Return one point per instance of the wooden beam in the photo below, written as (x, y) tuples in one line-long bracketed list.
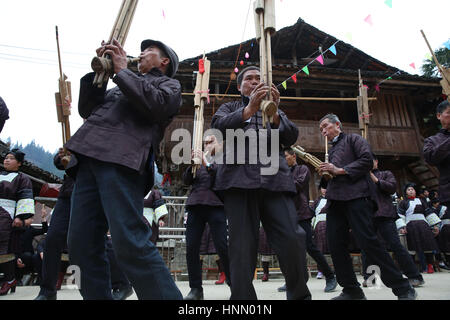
[(285, 98)]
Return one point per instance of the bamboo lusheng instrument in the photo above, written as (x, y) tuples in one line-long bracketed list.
[(63, 103), (265, 28), (315, 162), (201, 93), (445, 72), (363, 108), (103, 65)]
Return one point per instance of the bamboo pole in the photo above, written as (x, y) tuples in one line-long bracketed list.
[(445, 73), (103, 66), (201, 93), (309, 158), (265, 28), (63, 103)]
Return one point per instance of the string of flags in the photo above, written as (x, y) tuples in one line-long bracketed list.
[(305, 69)]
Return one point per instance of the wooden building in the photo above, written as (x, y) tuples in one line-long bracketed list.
[(394, 132)]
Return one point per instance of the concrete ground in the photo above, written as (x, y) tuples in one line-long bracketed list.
[(437, 287)]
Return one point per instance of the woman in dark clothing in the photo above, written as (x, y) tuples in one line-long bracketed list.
[(419, 223), (16, 211)]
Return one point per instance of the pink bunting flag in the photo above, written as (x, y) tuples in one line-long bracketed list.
[(413, 65), (164, 14), (377, 88), (320, 59), (368, 19)]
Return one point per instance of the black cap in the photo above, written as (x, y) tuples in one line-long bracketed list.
[(173, 66)]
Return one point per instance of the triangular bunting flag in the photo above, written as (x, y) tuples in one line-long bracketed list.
[(388, 3), (389, 78), (368, 19), (320, 59), (428, 56), (306, 70), (413, 65), (349, 36), (294, 77), (284, 85), (377, 88), (333, 49)]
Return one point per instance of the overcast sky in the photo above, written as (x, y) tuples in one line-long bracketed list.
[(28, 62)]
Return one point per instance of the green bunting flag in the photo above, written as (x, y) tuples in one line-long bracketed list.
[(306, 70)]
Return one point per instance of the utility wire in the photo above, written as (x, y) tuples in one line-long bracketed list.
[(43, 50)]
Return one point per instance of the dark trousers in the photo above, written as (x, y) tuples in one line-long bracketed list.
[(314, 252), (55, 244), (387, 229), (118, 279), (111, 196), (357, 215), (245, 209), (198, 216), (33, 264)]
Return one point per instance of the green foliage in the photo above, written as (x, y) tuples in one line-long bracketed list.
[(429, 67)]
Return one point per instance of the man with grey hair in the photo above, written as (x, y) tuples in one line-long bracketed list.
[(250, 197), (352, 198)]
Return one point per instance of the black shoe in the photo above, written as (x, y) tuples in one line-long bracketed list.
[(282, 289), (194, 294), (122, 293), (331, 284), (410, 295), (347, 296), (43, 297), (416, 282)]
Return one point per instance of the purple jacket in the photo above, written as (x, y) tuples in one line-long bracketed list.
[(125, 123), (351, 152), (248, 176), (385, 187), (436, 150), (301, 176), (201, 193)]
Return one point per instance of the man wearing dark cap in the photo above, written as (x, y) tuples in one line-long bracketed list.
[(113, 160)]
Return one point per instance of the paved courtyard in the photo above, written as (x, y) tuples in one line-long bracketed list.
[(437, 287)]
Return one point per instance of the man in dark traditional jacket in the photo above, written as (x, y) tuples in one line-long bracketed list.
[(56, 239), (436, 150), (4, 113), (352, 197), (204, 206), (252, 194), (384, 223), (302, 176), (112, 155)]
